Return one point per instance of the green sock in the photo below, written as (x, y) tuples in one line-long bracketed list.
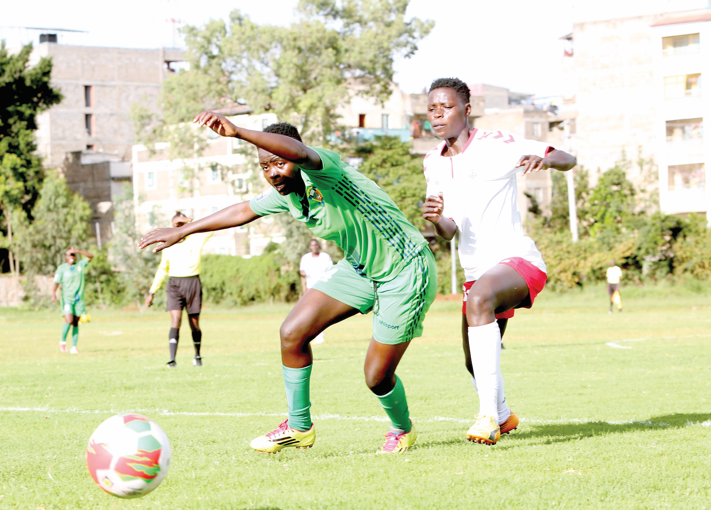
[(296, 382), (395, 404), (65, 330), (75, 335)]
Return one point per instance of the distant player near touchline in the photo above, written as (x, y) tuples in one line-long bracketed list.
[(471, 188), (312, 267), (614, 274), (181, 264), (71, 276), (388, 269)]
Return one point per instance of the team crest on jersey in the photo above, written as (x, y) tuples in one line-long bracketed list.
[(314, 194)]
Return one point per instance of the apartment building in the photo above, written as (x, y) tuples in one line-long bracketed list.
[(223, 175), (682, 58)]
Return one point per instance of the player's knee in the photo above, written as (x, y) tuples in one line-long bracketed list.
[(292, 336), (480, 303)]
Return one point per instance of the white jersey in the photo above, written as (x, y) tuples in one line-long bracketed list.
[(480, 196), (315, 267)]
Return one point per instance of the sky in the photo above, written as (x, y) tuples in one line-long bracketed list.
[(513, 44)]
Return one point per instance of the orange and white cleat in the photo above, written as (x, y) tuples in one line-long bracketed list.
[(509, 425), (282, 437), (485, 430)]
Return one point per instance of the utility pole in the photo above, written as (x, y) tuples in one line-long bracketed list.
[(572, 206), (453, 249)]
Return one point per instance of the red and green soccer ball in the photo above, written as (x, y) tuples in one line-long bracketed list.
[(128, 455)]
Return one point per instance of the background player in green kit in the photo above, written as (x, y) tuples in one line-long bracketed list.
[(388, 269), (70, 276)]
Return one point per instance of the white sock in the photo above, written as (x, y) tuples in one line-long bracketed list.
[(504, 411), (485, 349)]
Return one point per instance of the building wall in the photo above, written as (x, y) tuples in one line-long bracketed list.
[(120, 77), (161, 188), (684, 161), (613, 67)]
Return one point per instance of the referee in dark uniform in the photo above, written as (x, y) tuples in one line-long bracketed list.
[(181, 263)]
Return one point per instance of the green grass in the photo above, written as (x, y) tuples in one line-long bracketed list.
[(603, 427)]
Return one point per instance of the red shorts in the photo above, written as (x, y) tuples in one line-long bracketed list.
[(534, 277)]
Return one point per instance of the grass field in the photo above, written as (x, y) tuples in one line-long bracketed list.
[(620, 425)]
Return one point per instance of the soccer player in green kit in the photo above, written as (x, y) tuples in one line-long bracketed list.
[(388, 269), (70, 276)]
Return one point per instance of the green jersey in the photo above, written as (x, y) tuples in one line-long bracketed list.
[(344, 206), (72, 280)]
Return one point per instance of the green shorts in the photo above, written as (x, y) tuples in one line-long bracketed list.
[(398, 305), (74, 307)]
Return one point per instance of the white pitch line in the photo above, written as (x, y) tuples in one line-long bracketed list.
[(329, 416), (616, 345)]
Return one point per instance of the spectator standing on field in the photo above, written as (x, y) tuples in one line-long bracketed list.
[(614, 273), (70, 276), (181, 263), (313, 266)]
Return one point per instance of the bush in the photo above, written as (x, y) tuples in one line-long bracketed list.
[(236, 281)]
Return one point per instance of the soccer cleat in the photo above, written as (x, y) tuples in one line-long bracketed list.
[(197, 361), (283, 436), (74, 350), (171, 364), (399, 443), (485, 430), (509, 425), (62, 346)]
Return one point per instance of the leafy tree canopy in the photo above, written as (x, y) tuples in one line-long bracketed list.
[(300, 71)]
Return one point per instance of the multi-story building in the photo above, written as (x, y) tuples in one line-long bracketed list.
[(635, 87), (223, 175), (99, 85), (681, 59)]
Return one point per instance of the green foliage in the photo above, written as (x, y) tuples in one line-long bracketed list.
[(298, 72), (236, 281), (693, 255), (60, 221), (611, 203), (136, 268), (103, 286), (24, 92), (388, 161)]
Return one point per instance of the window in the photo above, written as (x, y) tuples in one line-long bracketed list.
[(213, 173), (685, 129), (150, 180), (361, 120), (687, 177), (536, 129), (685, 85), (90, 147), (89, 96), (677, 44), (239, 185), (385, 121), (89, 122)]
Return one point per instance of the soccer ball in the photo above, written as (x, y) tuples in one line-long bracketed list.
[(128, 455)]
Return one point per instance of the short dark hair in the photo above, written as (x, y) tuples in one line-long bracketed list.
[(283, 128), (461, 88), (178, 214)]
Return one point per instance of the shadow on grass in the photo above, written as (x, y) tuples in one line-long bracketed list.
[(561, 432)]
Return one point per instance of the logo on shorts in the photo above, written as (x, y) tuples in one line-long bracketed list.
[(389, 326), (314, 194)]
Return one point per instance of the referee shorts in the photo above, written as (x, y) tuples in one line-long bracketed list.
[(184, 292)]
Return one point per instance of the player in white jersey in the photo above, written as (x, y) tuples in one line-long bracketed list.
[(471, 188), (312, 267)]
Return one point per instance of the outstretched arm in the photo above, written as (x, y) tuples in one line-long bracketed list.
[(432, 211), (85, 253), (555, 159), (232, 216), (283, 146)]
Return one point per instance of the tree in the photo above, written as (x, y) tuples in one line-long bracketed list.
[(299, 72), (24, 92), (60, 221), (388, 161), (136, 267), (611, 203)]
